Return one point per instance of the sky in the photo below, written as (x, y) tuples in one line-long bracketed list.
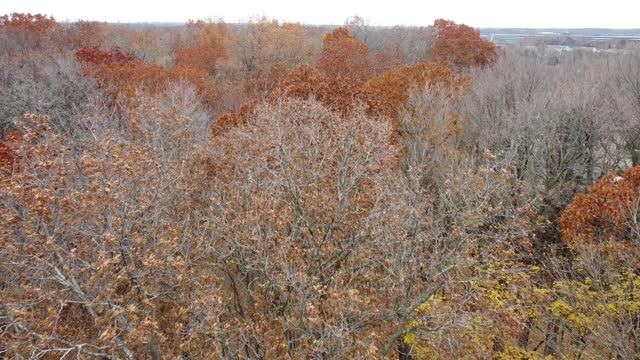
[(476, 13)]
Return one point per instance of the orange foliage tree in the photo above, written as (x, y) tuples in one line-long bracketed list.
[(204, 46), (343, 56), (37, 24), (461, 45), (387, 93), (86, 34), (123, 75), (605, 216), (200, 57), (303, 82), (230, 120), (26, 33), (340, 81), (384, 95)]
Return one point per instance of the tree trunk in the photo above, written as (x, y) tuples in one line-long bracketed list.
[(523, 340), (551, 338), (404, 350)]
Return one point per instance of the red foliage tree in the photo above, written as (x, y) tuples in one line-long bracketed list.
[(9, 139), (461, 45), (95, 56), (6, 157)]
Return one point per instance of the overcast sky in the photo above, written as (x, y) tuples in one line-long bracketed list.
[(477, 13)]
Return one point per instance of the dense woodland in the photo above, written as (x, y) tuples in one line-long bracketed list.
[(272, 190)]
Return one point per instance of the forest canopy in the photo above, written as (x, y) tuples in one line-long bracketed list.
[(273, 190)]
